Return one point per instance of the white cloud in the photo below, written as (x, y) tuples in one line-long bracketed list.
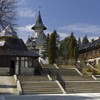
[(93, 37), (85, 28), (26, 12), (25, 31), (20, 2), (61, 34), (26, 28)]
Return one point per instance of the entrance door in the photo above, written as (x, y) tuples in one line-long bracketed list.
[(12, 68)]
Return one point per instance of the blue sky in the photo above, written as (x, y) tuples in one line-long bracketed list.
[(80, 16)]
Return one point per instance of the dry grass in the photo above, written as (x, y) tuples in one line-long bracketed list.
[(90, 71), (66, 66), (87, 71)]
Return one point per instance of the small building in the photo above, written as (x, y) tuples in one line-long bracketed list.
[(39, 37), (15, 58), (91, 52)]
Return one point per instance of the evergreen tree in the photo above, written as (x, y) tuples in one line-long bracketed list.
[(57, 38), (72, 49), (85, 40), (45, 47), (52, 47), (64, 51), (79, 42)]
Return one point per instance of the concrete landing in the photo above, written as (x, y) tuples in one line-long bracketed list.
[(7, 85), (86, 96)]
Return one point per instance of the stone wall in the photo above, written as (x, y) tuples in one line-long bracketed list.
[(4, 71), (27, 71)]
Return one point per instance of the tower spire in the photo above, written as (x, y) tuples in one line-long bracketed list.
[(39, 23)]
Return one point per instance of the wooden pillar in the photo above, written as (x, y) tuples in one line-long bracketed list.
[(19, 69)]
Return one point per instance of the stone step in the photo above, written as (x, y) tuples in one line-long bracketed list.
[(8, 85), (84, 87), (39, 87), (41, 92), (33, 78), (77, 78)]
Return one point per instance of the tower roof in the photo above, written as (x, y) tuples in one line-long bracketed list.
[(39, 23), (8, 31)]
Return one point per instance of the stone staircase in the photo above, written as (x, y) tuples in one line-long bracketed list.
[(73, 75), (83, 87), (78, 78), (75, 83), (38, 85), (8, 85), (32, 78), (50, 69), (68, 72)]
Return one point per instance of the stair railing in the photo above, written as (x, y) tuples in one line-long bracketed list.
[(61, 81)]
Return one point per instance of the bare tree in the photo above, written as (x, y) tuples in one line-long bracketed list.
[(7, 12)]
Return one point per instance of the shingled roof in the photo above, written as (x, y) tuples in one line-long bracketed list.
[(8, 31), (90, 46), (39, 23), (13, 46)]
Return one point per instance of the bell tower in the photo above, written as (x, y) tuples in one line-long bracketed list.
[(39, 27), (39, 37)]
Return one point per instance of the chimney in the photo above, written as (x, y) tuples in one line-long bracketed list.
[(92, 40)]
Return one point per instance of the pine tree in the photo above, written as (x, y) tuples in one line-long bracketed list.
[(72, 44), (72, 48), (45, 47), (64, 51), (85, 40), (52, 47), (79, 42)]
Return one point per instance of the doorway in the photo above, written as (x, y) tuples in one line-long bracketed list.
[(12, 68)]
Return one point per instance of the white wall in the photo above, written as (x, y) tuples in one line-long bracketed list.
[(96, 59)]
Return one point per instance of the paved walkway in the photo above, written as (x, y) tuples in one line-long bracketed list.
[(86, 96), (7, 85)]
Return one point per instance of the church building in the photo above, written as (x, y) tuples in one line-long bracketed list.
[(15, 58), (39, 37)]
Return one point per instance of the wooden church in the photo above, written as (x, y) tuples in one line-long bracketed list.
[(15, 58)]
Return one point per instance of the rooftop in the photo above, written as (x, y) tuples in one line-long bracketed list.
[(8, 31), (13, 46), (91, 45), (39, 23)]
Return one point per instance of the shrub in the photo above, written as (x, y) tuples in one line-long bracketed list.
[(90, 70), (96, 72)]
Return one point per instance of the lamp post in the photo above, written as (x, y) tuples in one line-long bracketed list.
[(34, 44)]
